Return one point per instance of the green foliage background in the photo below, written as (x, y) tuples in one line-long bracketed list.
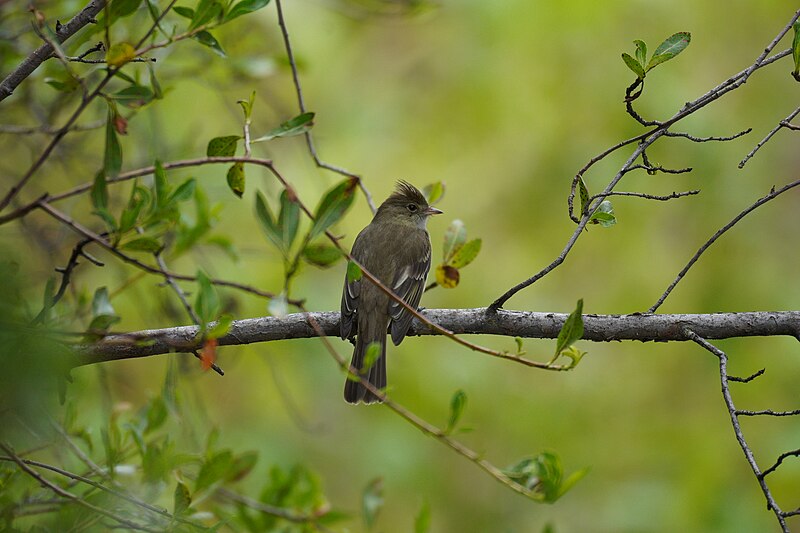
[(504, 101)]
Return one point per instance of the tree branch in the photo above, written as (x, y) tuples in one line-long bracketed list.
[(598, 328), (45, 51)]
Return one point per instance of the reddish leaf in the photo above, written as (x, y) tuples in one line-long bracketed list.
[(208, 354)]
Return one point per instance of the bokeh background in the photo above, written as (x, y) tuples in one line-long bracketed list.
[(503, 101)]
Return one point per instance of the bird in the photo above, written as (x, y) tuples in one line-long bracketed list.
[(395, 247)]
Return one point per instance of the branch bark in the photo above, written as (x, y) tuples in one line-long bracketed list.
[(597, 328), (45, 51)]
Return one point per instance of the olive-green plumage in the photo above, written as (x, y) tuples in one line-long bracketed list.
[(396, 248)]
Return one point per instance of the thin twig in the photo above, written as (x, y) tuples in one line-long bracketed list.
[(781, 457), (726, 394), (301, 104), (785, 123), (661, 198), (23, 465), (761, 201), (707, 139), (421, 424), (48, 130), (119, 494), (80, 229), (767, 412)]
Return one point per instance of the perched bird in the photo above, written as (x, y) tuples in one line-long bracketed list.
[(396, 248)]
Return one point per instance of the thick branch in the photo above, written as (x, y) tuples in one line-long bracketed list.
[(598, 328)]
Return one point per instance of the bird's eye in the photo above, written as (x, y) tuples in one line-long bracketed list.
[(412, 207)]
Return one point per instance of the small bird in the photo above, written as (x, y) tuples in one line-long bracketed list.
[(396, 248)]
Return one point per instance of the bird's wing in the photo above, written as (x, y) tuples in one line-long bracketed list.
[(409, 284), (350, 294)]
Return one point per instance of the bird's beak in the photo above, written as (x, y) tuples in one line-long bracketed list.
[(432, 211)]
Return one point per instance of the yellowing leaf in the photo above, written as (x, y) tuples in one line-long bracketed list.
[(119, 54), (447, 276)]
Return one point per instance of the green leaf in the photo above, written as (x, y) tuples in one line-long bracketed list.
[(243, 8), (267, 221), (574, 354), (321, 255), (288, 219), (518, 342), (205, 38), (295, 126), (372, 501), (454, 237), (112, 158), (143, 244), (796, 48), (65, 86), (184, 192), (119, 54), (372, 354), (160, 184), (641, 52), (215, 469), (155, 86), (187, 12), (422, 522), (156, 414), (604, 215), (353, 272), (247, 105), (633, 65), (466, 254), (243, 464), (103, 314), (236, 178), (206, 11), (134, 96), (99, 192), (221, 327), (181, 500), (333, 206), (672, 46), (123, 8), (572, 330), (222, 146), (457, 404), (583, 192), (207, 302), (434, 192)]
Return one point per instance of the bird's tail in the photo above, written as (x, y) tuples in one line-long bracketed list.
[(354, 391)]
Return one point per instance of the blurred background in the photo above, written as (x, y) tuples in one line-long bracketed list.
[(503, 101)]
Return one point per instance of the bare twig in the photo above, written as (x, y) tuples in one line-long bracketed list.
[(785, 123), (48, 130), (662, 198), (707, 139), (301, 104), (726, 394), (66, 274), (761, 201)]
